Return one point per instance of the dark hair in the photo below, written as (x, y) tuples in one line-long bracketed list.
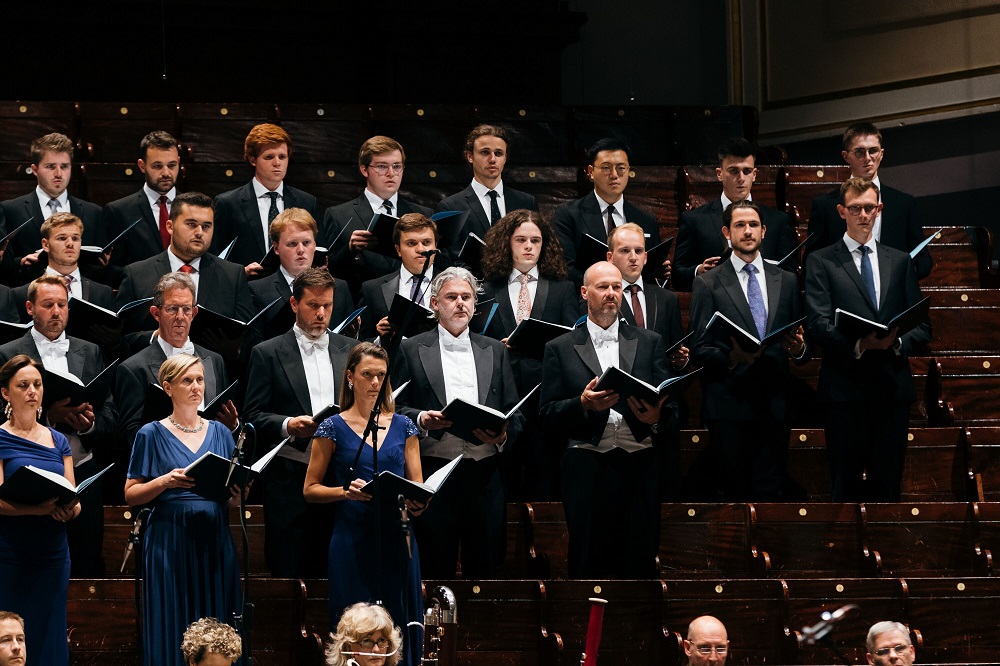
[(312, 278), (413, 222), (860, 129), (196, 199), (607, 143), (358, 352), (746, 204), (156, 139), (51, 143), (856, 186), (499, 131), (498, 262), (736, 147), (14, 365)]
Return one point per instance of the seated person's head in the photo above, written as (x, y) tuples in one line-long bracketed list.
[(208, 642), (365, 628)]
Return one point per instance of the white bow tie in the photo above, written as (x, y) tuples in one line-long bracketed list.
[(310, 346), (603, 338), (57, 348), (188, 348), (457, 345)]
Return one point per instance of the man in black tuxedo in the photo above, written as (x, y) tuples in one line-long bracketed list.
[(602, 210), (609, 469), (700, 239), (87, 429), (52, 166), (897, 226), (413, 234), (293, 240), (245, 214), (62, 236), (660, 311), (865, 383), (486, 198), (291, 378), (173, 308), (160, 164), (441, 365), (191, 230), (744, 389), (381, 161)]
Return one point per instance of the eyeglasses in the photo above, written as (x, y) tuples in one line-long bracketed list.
[(173, 310), (383, 169), (898, 649), (861, 152), (707, 650), (367, 644), (620, 169), (855, 209)]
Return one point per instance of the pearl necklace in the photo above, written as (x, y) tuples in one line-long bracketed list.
[(201, 424)]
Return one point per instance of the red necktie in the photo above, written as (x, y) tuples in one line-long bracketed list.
[(640, 320), (187, 269), (164, 234)]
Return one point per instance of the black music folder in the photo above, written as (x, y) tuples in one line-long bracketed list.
[(625, 384), (31, 486), (233, 329), (85, 315), (723, 328), (471, 255), (530, 336), (421, 320), (392, 485), (58, 387), (855, 326), (468, 416), (450, 225), (655, 256), (213, 475), (382, 226)]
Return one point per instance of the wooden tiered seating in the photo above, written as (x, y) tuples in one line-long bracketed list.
[(707, 540), (102, 619), (956, 618), (801, 184)]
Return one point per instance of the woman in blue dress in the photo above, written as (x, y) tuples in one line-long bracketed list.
[(189, 566), (34, 558), (355, 570)]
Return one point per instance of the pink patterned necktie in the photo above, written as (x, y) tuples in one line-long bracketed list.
[(523, 298)]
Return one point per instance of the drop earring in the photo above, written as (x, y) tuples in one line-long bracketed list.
[(350, 385)]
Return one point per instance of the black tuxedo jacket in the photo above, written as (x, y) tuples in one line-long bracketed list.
[(419, 362), (137, 372), (573, 219), (277, 387), (265, 290), (747, 392), (478, 223), (15, 212), (833, 281), (570, 363), (334, 236), (900, 226), (222, 288), (141, 243), (85, 362), (663, 312), (237, 215), (8, 304), (93, 292), (556, 301), (699, 236), (377, 296)]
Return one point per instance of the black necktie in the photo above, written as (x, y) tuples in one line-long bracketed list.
[(611, 218), (272, 212), (494, 206), (387, 204)]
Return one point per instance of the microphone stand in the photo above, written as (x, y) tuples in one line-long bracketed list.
[(134, 539), (244, 620), (373, 427)]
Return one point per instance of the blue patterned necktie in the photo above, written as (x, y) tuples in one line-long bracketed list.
[(756, 300), (867, 276)]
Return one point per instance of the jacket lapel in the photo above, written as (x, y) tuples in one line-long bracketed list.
[(506, 309), (430, 359), (482, 353), (585, 350), (847, 263), (731, 283), (772, 278), (291, 363), (627, 345), (884, 271), (479, 224), (389, 290)]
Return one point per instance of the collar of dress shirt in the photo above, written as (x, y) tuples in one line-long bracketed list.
[(626, 284), (259, 190), (405, 275), (44, 199), (515, 275), (738, 263), (853, 245), (41, 339), (75, 273), (176, 262), (481, 189), (154, 196), (463, 338), (301, 335), (285, 274), (375, 201), (603, 205), (187, 347), (594, 330), (726, 200)]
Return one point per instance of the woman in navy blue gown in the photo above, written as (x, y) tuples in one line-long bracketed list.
[(34, 557), (189, 567), (354, 569)]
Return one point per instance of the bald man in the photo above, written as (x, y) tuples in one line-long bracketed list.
[(889, 644), (706, 642)]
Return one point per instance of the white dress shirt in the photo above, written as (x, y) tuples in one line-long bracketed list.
[(176, 263), (514, 286), (75, 287), (406, 285), (53, 354), (743, 278), (154, 200), (378, 204), (264, 205), (853, 247), (315, 355), (627, 296), (44, 199), (618, 213), (484, 198)]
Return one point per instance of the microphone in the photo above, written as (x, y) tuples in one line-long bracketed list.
[(404, 523), (133, 537), (237, 451), (428, 253), (820, 630)]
